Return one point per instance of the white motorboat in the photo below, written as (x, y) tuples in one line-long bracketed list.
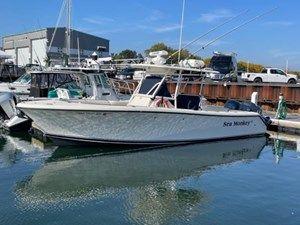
[(65, 83), (20, 87), (152, 116)]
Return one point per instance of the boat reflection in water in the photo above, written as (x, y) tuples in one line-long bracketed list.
[(12, 146), (150, 177)]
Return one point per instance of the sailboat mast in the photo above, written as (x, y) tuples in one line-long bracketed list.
[(68, 36)]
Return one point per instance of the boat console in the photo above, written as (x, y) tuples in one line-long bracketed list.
[(188, 102)]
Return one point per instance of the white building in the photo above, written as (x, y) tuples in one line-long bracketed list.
[(33, 47)]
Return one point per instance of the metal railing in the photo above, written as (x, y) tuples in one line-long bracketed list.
[(123, 86)]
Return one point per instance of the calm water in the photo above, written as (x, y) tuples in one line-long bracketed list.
[(249, 181)]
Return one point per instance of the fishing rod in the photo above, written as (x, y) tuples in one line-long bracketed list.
[(232, 30), (208, 32)]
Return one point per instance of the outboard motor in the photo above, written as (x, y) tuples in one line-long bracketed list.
[(243, 106), (7, 106), (10, 118), (249, 107)]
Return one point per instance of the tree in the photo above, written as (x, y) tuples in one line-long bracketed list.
[(206, 61), (126, 54), (242, 66), (253, 68), (162, 46), (295, 72)]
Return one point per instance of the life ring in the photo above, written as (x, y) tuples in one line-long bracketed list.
[(162, 102)]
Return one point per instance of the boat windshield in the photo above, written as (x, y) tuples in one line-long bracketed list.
[(24, 79), (51, 79), (150, 84), (101, 80)]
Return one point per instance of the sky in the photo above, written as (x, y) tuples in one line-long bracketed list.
[(137, 24)]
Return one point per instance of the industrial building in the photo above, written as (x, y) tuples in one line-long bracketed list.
[(33, 47)]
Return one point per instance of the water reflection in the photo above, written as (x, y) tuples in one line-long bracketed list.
[(152, 176), (278, 149), (280, 142), (11, 147), (159, 204)]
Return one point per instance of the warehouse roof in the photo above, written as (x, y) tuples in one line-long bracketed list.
[(42, 29)]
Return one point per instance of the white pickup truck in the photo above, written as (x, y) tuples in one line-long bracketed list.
[(273, 75)]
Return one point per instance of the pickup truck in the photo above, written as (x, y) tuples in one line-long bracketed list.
[(273, 75)]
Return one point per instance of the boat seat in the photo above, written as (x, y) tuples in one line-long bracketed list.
[(63, 93), (188, 102)]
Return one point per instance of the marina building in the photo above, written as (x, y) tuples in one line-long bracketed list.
[(37, 46)]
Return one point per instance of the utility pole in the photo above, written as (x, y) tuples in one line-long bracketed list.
[(248, 66), (78, 51)]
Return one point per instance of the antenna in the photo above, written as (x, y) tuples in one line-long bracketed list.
[(181, 29), (211, 30), (232, 30)]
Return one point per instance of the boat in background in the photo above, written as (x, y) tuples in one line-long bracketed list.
[(20, 88), (63, 83)]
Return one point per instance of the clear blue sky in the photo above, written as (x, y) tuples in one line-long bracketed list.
[(137, 24)]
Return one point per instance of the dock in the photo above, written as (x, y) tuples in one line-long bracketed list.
[(290, 125)]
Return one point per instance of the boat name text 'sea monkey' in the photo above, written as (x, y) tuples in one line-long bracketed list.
[(237, 123)]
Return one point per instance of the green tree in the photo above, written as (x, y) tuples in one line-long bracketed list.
[(295, 72), (126, 54), (206, 61), (253, 68)]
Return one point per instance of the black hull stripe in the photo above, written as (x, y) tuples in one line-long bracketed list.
[(57, 138), (139, 111)]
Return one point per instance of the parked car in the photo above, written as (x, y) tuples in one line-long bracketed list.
[(273, 75)]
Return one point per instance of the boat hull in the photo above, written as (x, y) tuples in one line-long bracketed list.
[(141, 127)]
